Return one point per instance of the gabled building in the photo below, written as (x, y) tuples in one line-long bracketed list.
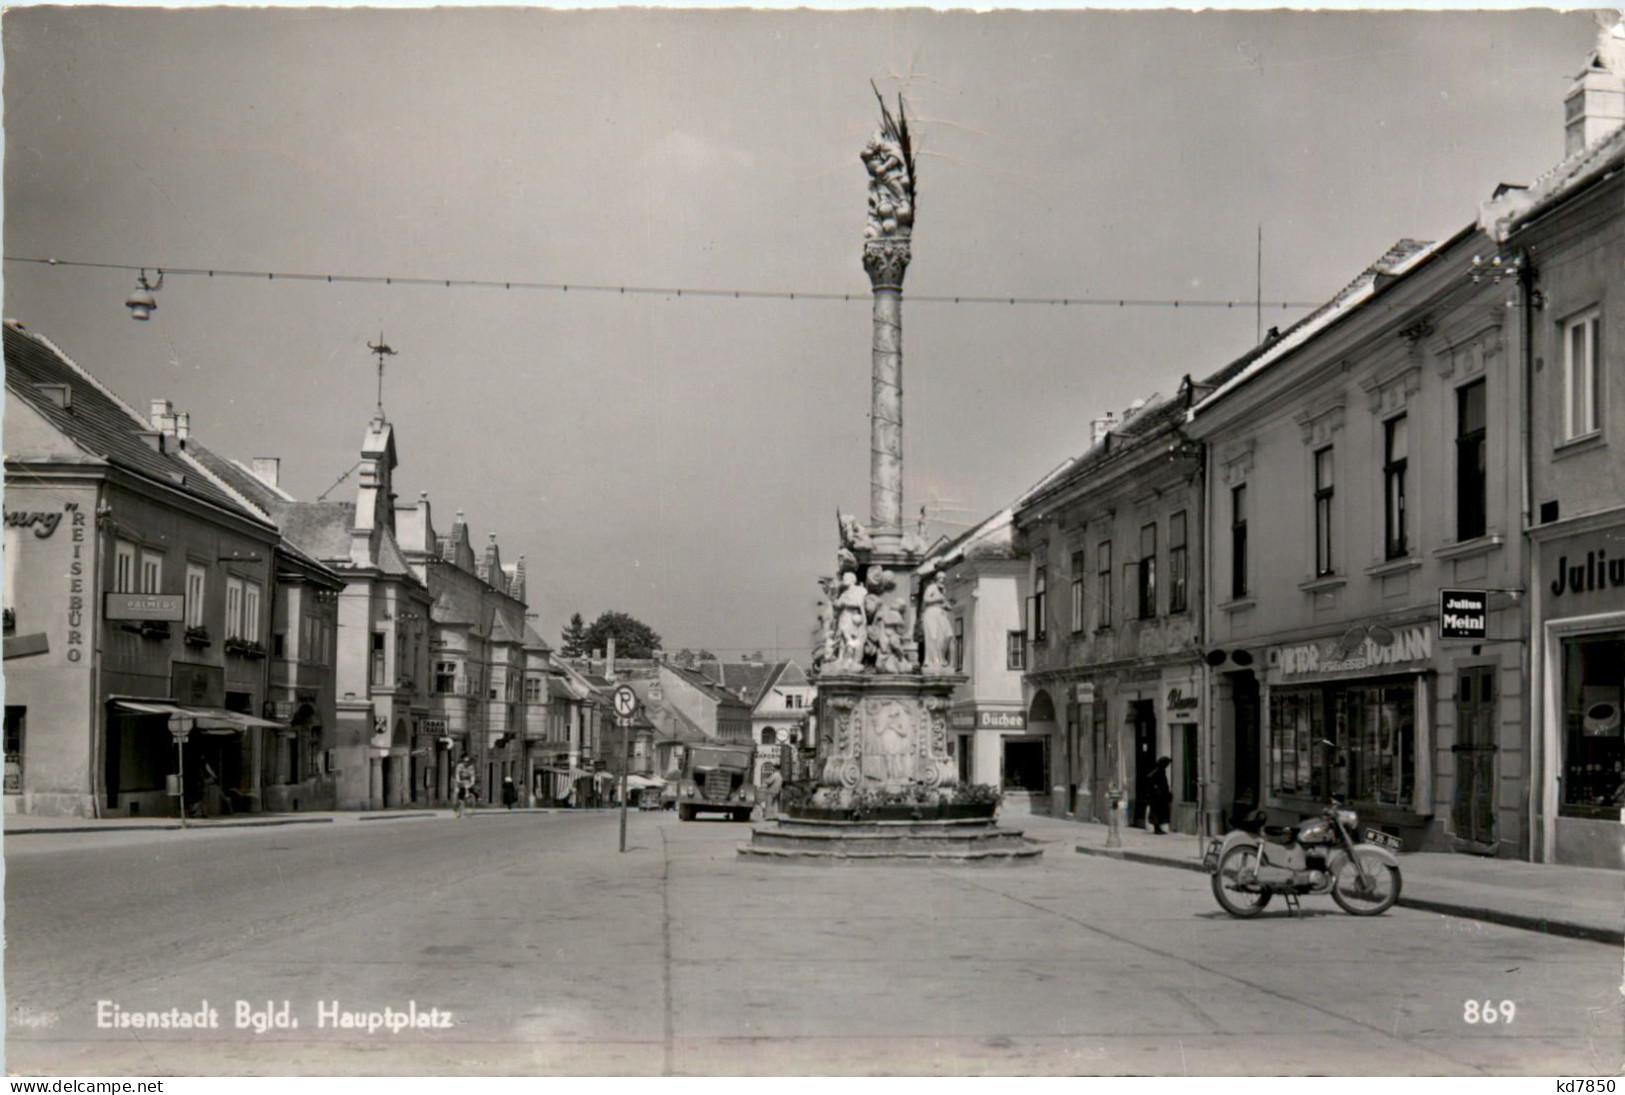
[(717, 711), (137, 601)]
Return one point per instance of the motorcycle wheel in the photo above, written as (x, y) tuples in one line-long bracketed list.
[(1374, 899), (1238, 903)]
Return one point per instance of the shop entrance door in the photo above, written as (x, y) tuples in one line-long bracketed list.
[(1244, 701), (1145, 757), (1024, 764), (1473, 809)]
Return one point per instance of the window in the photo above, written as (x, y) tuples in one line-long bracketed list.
[(251, 611), (1103, 584), (234, 608), (197, 582), (1040, 587), (1593, 771), (1077, 592), (1471, 479), (1376, 738), (1582, 375), (1178, 564), (1015, 651), (959, 644), (152, 572), (1238, 541), (533, 688), (123, 567), (768, 736), (1300, 763), (1148, 572), (1395, 460), (1323, 512), (279, 644), (445, 678), (379, 641)]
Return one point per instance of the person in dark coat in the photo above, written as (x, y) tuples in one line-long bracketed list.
[(1160, 796), (510, 792)]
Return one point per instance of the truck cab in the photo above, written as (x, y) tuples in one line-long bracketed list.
[(716, 779)]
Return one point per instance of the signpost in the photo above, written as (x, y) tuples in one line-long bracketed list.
[(180, 728), (626, 705), (1464, 613)]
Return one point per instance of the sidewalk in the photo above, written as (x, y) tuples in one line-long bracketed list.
[(30, 824), (1578, 902)]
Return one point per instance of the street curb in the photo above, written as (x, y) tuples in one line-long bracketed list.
[(175, 827), (1567, 929), (397, 817)]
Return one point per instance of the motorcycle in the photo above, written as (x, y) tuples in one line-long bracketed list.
[(1254, 863)]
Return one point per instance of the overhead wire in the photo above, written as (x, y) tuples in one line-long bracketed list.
[(662, 291)]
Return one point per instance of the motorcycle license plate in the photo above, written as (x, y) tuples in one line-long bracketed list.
[(1210, 861), (1372, 836)]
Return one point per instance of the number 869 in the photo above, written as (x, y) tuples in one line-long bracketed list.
[(1488, 1011)]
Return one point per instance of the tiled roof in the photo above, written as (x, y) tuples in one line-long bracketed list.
[(1518, 206), (534, 640), (705, 684), (98, 421), (1396, 262), (249, 486), (559, 690), (745, 679), (320, 528), (501, 632)]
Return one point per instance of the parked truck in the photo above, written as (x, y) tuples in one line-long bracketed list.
[(716, 779)]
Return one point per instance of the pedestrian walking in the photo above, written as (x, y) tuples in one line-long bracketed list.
[(464, 778), (510, 793), (1160, 797)]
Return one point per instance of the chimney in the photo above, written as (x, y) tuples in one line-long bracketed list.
[(267, 469), (162, 419), (1595, 104), (1100, 427), (609, 657), (183, 427)]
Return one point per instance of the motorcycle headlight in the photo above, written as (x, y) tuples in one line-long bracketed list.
[(1347, 818)]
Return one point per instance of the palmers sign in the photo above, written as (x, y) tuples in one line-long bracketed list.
[(1409, 645)]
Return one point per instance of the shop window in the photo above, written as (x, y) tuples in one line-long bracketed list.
[(197, 579), (1472, 482), (1147, 572), (1300, 763), (1395, 472), (1324, 492), (16, 723), (1015, 651), (1103, 584), (1238, 541), (1593, 771), (1377, 743), (959, 644), (1582, 375), (124, 576), (1178, 565)]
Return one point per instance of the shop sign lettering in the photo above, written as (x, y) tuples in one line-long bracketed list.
[(1001, 720), (1597, 572), (1411, 644), (76, 578), (1178, 701), (43, 524)]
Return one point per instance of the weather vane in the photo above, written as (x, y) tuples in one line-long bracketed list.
[(381, 350)]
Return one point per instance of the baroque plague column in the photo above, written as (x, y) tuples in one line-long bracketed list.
[(885, 782)]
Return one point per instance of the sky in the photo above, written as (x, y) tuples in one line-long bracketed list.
[(683, 458)]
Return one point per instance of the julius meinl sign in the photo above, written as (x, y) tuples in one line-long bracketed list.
[(1463, 613)]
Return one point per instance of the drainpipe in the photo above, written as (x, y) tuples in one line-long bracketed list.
[(1534, 646)]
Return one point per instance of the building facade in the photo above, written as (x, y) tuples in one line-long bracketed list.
[(1114, 672), (1360, 467), (1567, 235), (983, 578), (138, 600)]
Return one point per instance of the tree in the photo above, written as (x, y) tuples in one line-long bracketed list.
[(574, 638), (633, 638)]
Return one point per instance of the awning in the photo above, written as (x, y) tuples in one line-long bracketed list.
[(643, 783), (203, 718)]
